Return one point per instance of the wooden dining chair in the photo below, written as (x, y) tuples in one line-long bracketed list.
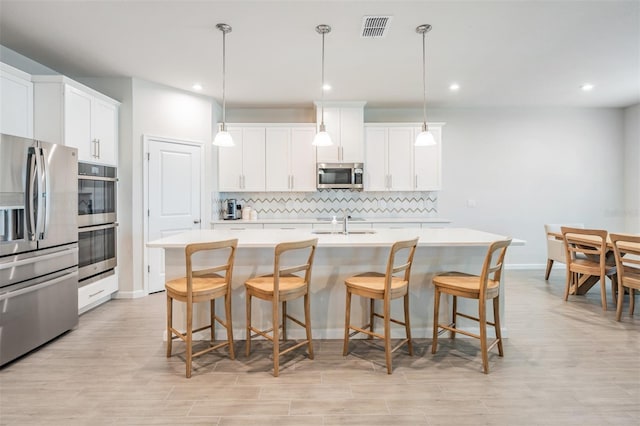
[(626, 249), (281, 287), (555, 246), (587, 262), (386, 287), (202, 285), (482, 288)]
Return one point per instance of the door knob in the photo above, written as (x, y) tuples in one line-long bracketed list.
[(196, 221)]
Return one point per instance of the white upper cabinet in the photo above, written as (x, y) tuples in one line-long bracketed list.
[(290, 159), (16, 102), (242, 167), (393, 163), (345, 124), (72, 114)]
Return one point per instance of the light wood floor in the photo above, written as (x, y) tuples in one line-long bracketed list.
[(565, 364)]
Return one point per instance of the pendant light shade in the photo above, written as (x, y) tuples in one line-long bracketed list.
[(322, 138), (425, 137), (223, 137)]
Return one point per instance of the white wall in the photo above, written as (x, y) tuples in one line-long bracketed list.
[(632, 168), (524, 167)]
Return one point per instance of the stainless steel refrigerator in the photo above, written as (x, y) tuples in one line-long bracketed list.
[(38, 243)]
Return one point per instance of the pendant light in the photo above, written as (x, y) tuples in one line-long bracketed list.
[(322, 138), (425, 137), (223, 137)]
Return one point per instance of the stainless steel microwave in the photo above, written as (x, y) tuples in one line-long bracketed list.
[(340, 176)]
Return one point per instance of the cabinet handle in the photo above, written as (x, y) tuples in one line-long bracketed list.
[(292, 182), (98, 145), (390, 181), (96, 293), (416, 184)]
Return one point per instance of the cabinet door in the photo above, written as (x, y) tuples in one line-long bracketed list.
[(77, 124), (277, 159), (303, 159), (105, 134), (375, 165), (230, 163), (427, 163), (16, 105), (330, 154), (400, 159), (352, 134), (253, 159)]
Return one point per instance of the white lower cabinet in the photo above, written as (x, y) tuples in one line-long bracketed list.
[(396, 225), (305, 226), (96, 293)]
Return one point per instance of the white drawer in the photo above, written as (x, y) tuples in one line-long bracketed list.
[(238, 226), (99, 291), (287, 226)]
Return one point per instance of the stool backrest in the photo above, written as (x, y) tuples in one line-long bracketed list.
[(493, 264), (227, 267), (280, 270), (395, 265)]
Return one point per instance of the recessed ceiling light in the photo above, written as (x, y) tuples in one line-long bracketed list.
[(454, 87), (326, 87), (587, 87), (197, 86)]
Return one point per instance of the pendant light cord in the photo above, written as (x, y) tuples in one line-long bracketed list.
[(424, 81), (224, 66), (322, 94)]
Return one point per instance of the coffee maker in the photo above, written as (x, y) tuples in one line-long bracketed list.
[(230, 210)]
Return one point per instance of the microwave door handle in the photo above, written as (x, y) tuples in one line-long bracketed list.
[(30, 194)]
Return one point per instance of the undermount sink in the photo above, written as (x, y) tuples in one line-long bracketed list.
[(359, 231)]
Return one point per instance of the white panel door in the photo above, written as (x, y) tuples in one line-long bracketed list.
[(253, 156), (230, 163), (427, 163), (105, 125), (16, 105), (77, 125), (278, 159), (400, 162), (375, 164), (303, 159), (173, 197)]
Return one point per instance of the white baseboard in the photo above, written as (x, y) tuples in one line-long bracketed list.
[(130, 294)]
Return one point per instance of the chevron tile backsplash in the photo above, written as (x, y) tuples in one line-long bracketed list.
[(328, 202)]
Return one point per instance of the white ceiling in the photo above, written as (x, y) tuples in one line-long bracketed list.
[(502, 53)]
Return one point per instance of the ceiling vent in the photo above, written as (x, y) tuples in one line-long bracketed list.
[(375, 26)]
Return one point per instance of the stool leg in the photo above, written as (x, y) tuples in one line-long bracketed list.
[(169, 324), (248, 310), (407, 324), (189, 336), (387, 333), (482, 317), (284, 321), (276, 337), (454, 316), (372, 306), (347, 324), (307, 322), (496, 320), (229, 326), (212, 311), (436, 311)]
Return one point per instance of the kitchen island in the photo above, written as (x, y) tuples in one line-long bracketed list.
[(338, 256)]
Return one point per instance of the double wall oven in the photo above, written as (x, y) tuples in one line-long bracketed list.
[(97, 222)]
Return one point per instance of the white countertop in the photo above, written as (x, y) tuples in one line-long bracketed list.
[(328, 220), (257, 238)]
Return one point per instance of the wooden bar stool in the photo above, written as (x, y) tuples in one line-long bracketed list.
[(282, 286), (385, 287), (480, 287), (200, 286)]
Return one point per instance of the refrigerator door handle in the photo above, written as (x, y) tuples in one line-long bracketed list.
[(30, 194), (35, 259), (36, 287), (43, 200)]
